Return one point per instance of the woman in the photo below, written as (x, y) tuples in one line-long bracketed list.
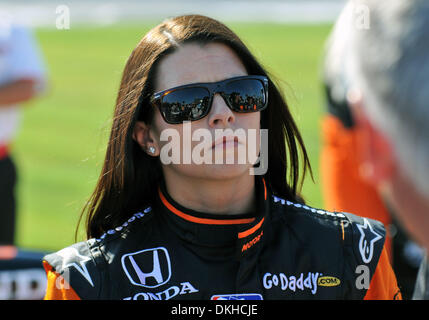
[(176, 229)]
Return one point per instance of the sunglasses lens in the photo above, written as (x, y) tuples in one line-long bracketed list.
[(185, 104), (192, 103), (246, 95)]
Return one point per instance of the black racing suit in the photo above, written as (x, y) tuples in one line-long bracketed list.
[(283, 250)]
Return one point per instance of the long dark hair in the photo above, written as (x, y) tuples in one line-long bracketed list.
[(129, 178)]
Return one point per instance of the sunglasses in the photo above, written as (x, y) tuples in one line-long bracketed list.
[(193, 102)]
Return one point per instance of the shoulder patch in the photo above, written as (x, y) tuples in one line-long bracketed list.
[(367, 238), (71, 258), (77, 267), (83, 265), (364, 242)]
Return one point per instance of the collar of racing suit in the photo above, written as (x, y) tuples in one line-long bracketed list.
[(240, 234)]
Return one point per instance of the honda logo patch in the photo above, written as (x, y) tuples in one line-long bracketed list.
[(149, 268)]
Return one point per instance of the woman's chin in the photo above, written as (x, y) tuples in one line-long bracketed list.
[(214, 171), (228, 171)]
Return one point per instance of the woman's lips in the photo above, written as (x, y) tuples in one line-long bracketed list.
[(226, 142)]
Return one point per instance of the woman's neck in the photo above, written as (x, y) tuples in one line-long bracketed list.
[(223, 196)]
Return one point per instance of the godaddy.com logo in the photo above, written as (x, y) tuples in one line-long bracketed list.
[(218, 146)]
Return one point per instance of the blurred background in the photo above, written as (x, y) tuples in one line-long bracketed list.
[(85, 44)]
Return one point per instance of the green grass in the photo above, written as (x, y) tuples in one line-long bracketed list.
[(62, 140)]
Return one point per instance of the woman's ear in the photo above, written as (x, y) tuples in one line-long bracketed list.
[(143, 135), (374, 151)]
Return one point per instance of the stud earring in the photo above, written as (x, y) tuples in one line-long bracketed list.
[(152, 150)]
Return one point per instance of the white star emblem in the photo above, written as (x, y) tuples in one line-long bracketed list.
[(70, 254), (367, 239)]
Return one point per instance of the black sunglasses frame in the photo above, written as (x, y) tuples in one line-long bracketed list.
[(212, 88)]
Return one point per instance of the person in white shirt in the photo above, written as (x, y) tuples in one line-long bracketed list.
[(22, 77)]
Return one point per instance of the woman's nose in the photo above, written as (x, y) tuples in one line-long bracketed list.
[(220, 114)]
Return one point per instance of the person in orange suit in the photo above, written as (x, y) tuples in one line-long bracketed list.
[(344, 183)]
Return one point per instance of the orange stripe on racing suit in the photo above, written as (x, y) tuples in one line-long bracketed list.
[(57, 287), (342, 187), (383, 284)]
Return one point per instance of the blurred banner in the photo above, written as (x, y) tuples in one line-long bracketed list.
[(45, 12), (22, 276)]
